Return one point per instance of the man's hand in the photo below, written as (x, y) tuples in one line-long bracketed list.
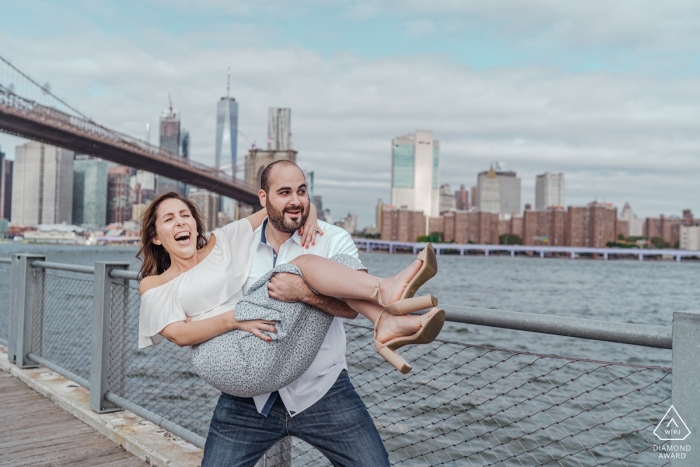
[(287, 287)]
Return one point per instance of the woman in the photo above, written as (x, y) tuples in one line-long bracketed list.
[(191, 291)]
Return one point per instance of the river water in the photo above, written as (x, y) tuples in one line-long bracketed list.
[(625, 291)]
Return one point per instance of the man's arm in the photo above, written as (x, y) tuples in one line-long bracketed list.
[(293, 288)]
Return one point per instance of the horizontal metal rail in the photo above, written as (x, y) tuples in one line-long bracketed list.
[(609, 331), (465, 247), (124, 274), (6, 260), (64, 267), (164, 423), (60, 370)]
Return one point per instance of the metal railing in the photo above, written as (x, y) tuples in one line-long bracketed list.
[(463, 405)]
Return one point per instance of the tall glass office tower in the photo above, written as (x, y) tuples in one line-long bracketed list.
[(226, 130), (414, 172)]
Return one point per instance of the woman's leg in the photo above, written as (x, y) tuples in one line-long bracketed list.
[(335, 280)]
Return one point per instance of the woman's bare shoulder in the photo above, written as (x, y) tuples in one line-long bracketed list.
[(151, 282)]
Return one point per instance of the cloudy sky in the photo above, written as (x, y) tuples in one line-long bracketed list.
[(607, 92)]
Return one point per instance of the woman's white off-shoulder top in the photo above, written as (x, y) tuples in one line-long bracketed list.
[(212, 287)]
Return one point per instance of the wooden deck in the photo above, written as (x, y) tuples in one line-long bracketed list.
[(35, 431)]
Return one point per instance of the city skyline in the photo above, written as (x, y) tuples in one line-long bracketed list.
[(515, 94)]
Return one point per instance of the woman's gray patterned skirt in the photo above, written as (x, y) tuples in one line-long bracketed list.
[(243, 365)]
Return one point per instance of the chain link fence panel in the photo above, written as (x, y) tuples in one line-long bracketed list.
[(160, 378), (62, 324), (475, 405)]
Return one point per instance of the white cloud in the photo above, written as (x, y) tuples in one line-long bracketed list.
[(617, 137)]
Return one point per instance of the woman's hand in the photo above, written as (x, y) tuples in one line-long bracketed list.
[(310, 228), (255, 326)]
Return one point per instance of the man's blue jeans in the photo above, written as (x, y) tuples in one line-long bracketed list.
[(338, 425)]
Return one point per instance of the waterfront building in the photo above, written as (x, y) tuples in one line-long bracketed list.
[(143, 187), (549, 191), (349, 223), (689, 237), (226, 130), (602, 222), (414, 173), (667, 228), (279, 129), (317, 201), (170, 141), (462, 199), (546, 227), (402, 224), (119, 194), (89, 191), (635, 226), (258, 159), (5, 187), (509, 191), (208, 205), (489, 192), (42, 185), (447, 198), (378, 215), (137, 210)]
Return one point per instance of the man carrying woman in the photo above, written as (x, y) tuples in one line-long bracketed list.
[(309, 395)]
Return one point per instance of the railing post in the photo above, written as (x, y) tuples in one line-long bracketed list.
[(684, 386), (279, 455), (23, 313), (99, 366)]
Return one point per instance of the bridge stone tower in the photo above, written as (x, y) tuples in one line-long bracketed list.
[(258, 159)]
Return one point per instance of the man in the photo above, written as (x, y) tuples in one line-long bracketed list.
[(321, 407)]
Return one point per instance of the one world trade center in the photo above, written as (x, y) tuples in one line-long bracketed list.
[(226, 131)]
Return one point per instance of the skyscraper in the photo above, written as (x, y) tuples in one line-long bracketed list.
[(42, 185), (119, 194), (489, 192), (279, 129), (5, 187), (462, 198), (509, 189), (226, 130), (170, 141), (89, 191), (549, 191), (414, 173)]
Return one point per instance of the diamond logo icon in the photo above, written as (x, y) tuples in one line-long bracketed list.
[(672, 427)]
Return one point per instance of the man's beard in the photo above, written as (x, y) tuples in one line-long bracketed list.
[(277, 219)]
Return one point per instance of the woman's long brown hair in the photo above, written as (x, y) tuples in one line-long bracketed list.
[(154, 259)]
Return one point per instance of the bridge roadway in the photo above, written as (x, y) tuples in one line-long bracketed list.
[(27, 119), (370, 244), (35, 431)]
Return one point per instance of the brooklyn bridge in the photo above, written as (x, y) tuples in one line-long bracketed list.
[(59, 124)]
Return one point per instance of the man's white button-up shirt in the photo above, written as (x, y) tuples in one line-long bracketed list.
[(330, 361)]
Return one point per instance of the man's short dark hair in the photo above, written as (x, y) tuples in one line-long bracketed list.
[(265, 177)]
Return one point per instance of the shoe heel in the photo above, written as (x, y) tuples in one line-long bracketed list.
[(393, 358), (410, 305)]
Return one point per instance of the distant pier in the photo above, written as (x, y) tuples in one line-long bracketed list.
[(369, 245)]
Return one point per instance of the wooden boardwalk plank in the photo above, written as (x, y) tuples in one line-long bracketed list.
[(35, 431)]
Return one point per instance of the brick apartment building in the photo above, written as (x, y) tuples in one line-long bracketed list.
[(401, 224)]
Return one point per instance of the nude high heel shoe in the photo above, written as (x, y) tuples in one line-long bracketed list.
[(431, 325), (408, 303)]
